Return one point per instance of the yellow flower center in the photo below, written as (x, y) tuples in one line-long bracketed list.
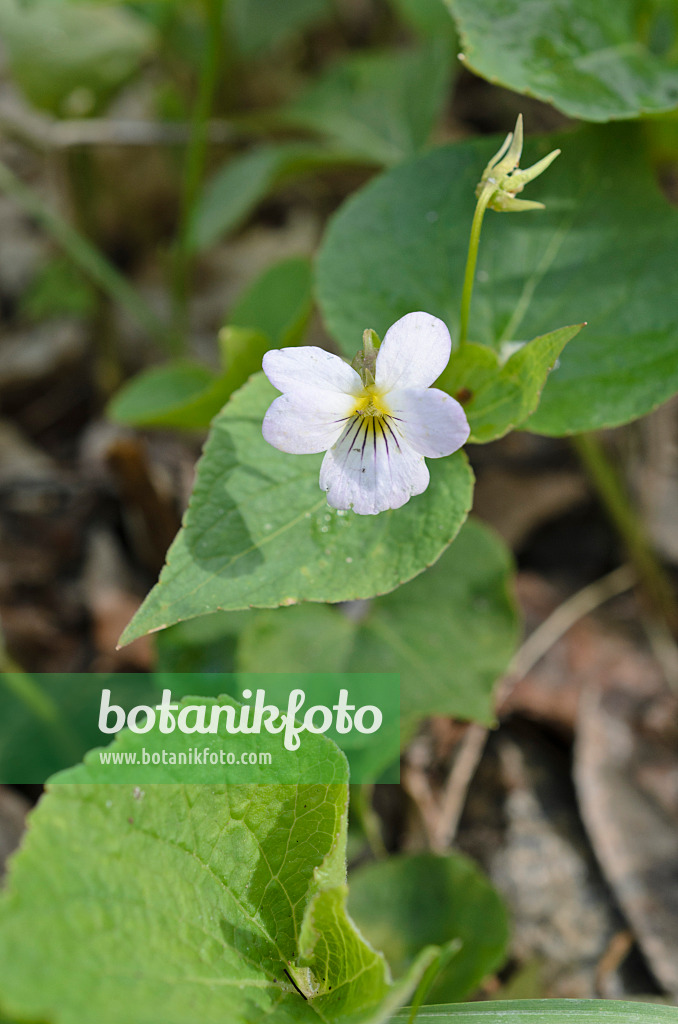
[(370, 403)]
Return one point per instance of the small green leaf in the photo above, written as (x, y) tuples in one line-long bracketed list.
[(278, 304), (300, 639), (259, 532), (235, 190), (546, 1011), (406, 903), (185, 395), (400, 245), (499, 395), (161, 395), (597, 61), (184, 903), (429, 18), (273, 311), (450, 633), (69, 58), (380, 106), (259, 25)]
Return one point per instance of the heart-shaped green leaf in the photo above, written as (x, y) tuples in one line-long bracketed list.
[(259, 532), (499, 393), (406, 903), (598, 61), (400, 245), (184, 903), (450, 633), (381, 105)]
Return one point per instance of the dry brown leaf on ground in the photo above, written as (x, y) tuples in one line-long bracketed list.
[(111, 603), (515, 503), (521, 823), (626, 775), (592, 652)]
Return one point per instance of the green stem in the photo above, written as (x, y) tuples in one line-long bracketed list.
[(79, 170), (369, 819), (471, 260), (84, 255), (614, 497), (194, 166), (445, 954)]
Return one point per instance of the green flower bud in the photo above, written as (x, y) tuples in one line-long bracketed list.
[(502, 178), (365, 360)]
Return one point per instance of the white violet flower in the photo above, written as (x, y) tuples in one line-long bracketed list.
[(376, 425)]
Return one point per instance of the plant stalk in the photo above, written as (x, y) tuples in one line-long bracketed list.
[(615, 499), (362, 805), (471, 260), (194, 166)]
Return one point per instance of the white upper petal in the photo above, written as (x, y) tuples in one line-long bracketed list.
[(291, 368), (414, 352), (306, 420), (370, 469), (431, 421)]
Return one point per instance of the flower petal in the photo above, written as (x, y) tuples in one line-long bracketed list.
[(431, 421), (414, 352), (370, 469), (306, 420), (291, 368)]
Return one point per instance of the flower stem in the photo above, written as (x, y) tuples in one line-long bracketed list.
[(472, 259), (90, 260), (615, 499), (194, 166)]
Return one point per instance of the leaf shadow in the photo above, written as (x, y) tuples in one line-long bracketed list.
[(217, 536)]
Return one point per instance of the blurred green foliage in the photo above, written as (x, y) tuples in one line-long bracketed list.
[(405, 903), (71, 57)]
